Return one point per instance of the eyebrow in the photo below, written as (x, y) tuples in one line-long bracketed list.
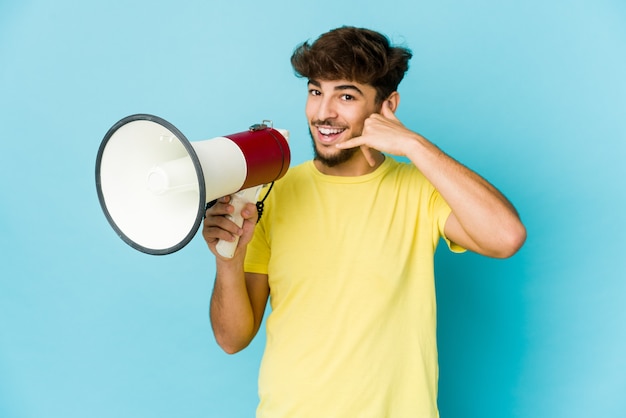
[(340, 87)]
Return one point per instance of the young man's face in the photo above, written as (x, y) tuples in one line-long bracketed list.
[(336, 111)]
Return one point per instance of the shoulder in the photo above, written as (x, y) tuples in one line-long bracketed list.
[(402, 169), (296, 174), (293, 181), (299, 169)]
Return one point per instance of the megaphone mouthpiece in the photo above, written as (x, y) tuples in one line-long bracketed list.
[(176, 175)]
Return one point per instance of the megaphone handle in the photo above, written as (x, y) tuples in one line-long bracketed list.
[(250, 195)]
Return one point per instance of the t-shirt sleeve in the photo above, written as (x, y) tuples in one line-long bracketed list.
[(440, 210), (258, 252)]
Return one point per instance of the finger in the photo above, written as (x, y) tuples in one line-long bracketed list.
[(354, 142), (213, 234), (224, 223), (221, 207), (250, 212), (368, 155)]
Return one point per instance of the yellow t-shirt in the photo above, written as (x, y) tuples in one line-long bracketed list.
[(352, 330)]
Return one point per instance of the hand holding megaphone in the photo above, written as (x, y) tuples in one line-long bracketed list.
[(153, 184), (215, 227)]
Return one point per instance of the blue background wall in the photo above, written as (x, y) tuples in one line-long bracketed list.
[(531, 94)]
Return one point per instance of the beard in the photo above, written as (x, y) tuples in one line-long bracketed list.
[(340, 157)]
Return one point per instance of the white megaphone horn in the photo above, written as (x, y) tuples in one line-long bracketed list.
[(154, 185)]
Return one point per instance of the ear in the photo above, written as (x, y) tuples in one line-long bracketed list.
[(393, 101)]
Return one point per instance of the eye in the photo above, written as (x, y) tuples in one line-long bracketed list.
[(347, 97), (314, 92)]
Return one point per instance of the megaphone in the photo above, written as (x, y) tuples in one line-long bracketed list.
[(154, 185)]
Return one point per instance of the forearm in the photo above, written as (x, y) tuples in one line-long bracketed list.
[(490, 222), (231, 312)]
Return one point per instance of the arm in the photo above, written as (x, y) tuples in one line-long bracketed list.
[(239, 299), (482, 219)]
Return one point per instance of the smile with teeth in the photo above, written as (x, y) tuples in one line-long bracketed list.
[(329, 132)]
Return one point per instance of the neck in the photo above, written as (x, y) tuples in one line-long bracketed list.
[(356, 166)]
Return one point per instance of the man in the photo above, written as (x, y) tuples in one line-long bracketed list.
[(345, 248)]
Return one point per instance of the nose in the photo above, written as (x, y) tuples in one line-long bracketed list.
[(325, 109)]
